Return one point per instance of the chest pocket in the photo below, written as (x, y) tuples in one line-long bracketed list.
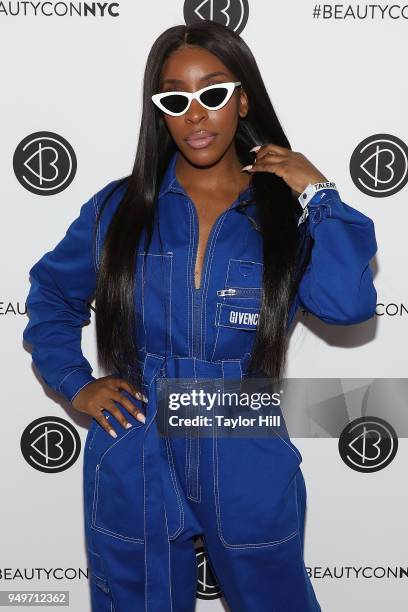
[(237, 309), (153, 301)]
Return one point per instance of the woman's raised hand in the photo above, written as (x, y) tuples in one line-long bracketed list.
[(100, 395), (293, 167)]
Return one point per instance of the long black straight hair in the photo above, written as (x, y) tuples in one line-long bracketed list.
[(286, 247)]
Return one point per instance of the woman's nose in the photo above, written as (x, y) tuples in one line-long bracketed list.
[(196, 112)]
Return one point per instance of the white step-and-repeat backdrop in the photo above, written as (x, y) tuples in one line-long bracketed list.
[(71, 75)]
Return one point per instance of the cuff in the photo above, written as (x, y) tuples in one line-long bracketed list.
[(74, 382), (316, 199), (322, 195)]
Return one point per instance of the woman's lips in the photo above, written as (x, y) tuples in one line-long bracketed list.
[(200, 140)]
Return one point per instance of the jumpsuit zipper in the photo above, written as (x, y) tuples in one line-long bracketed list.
[(237, 292), (197, 293), (192, 438)]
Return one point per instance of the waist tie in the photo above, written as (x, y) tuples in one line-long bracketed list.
[(157, 564)]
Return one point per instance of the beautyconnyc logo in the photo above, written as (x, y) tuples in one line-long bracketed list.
[(59, 9), (358, 572), (231, 13), (12, 308), (368, 444), (50, 444), (379, 165), (18, 574), (44, 163), (391, 309), (207, 587), (347, 12)]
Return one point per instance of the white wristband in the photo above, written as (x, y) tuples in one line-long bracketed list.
[(310, 190)]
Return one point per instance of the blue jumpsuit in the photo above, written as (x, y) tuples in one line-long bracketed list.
[(146, 497)]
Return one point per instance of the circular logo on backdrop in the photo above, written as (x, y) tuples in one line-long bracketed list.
[(231, 13), (44, 163), (379, 165), (368, 444), (50, 444), (207, 587)]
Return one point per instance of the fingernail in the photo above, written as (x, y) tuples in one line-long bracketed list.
[(145, 398), (128, 425), (255, 149), (246, 167), (113, 433), (141, 417)]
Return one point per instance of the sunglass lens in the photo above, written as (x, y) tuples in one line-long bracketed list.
[(214, 97), (175, 103)]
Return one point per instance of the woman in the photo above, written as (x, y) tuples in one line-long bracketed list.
[(198, 262)]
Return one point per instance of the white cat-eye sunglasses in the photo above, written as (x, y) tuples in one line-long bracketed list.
[(213, 97)]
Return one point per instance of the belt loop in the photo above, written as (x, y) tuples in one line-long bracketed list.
[(151, 366)]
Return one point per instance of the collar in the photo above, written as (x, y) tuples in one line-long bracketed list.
[(170, 184)]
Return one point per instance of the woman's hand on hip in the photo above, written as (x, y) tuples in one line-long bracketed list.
[(100, 395), (295, 169)]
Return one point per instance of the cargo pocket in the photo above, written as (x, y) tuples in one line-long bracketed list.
[(153, 287), (255, 491), (237, 309), (118, 484), (101, 597)]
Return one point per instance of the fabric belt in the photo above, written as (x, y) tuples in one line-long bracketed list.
[(157, 565)]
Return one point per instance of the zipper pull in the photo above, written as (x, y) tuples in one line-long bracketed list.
[(224, 292)]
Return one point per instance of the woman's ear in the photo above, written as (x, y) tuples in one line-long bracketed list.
[(243, 103)]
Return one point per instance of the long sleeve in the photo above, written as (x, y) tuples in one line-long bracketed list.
[(62, 285), (337, 285)]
